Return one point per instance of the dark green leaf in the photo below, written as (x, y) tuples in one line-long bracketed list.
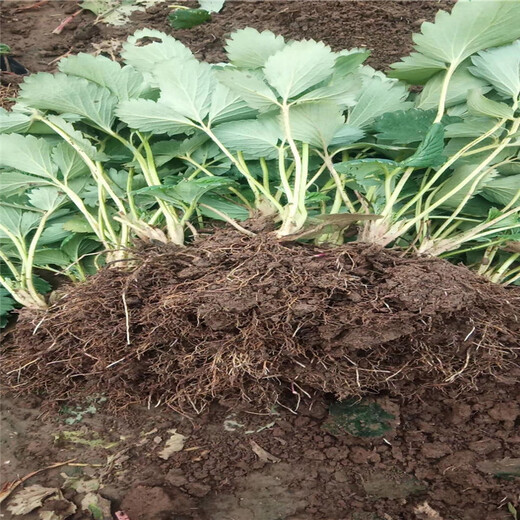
[(188, 18), (430, 151)]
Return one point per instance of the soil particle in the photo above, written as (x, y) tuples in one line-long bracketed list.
[(435, 450)]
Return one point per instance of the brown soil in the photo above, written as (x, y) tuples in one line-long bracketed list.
[(242, 320), (383, 26), (449, 451)]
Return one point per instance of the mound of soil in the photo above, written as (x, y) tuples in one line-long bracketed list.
[(242, 320)]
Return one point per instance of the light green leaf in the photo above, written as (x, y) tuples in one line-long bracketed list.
[(46, 199), (416, 68), (116, 12), (186, 191), (315, 123), (212, 6), (255, 138), (460, 84), (501, 68), (471, 27), (28, 154), (13, 122), (78, 138), (430, 151), (501, 190), (123, 82), (234, 211), (68, 94), (69, 162), (456, 179), (471, 127), (249, 48), (299, 66), (227, 105), (150, 116), (346, 135), (144, 52), (13, 182), (77, 224), (18, 222), (186, 87), (344, 93), (349, 60), (378, 96), (249, 87), (481, 105)]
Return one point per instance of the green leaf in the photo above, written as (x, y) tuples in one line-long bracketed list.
[(18, 222), (416, 68), (144, 52), (232, 210), (186, 88), (7, 304), (349, 60), (315, 123), (28, 154), (255, 138), (68, 94), (46, 199), (227, 105), (13, 122), (186, 191), (471, 127), (249, 87), (501, 190), (471, 27), (299, 66), (501, 68), (460, 84), (69, 162), (123, 82), (15, 182), (78, 138), (75, 246), (344, 93), (77, 224), (150, 116), (249, 48), (378, 96), (346, 135), (481, 105), (430, 151), (48, 256), (456, 179), (404, 126), (188, 18)]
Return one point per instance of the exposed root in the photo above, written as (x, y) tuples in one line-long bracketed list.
[(243, 319)]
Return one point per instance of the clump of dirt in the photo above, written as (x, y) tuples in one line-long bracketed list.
[(242, 320)]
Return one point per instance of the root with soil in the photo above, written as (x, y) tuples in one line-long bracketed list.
[(242, 319)]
